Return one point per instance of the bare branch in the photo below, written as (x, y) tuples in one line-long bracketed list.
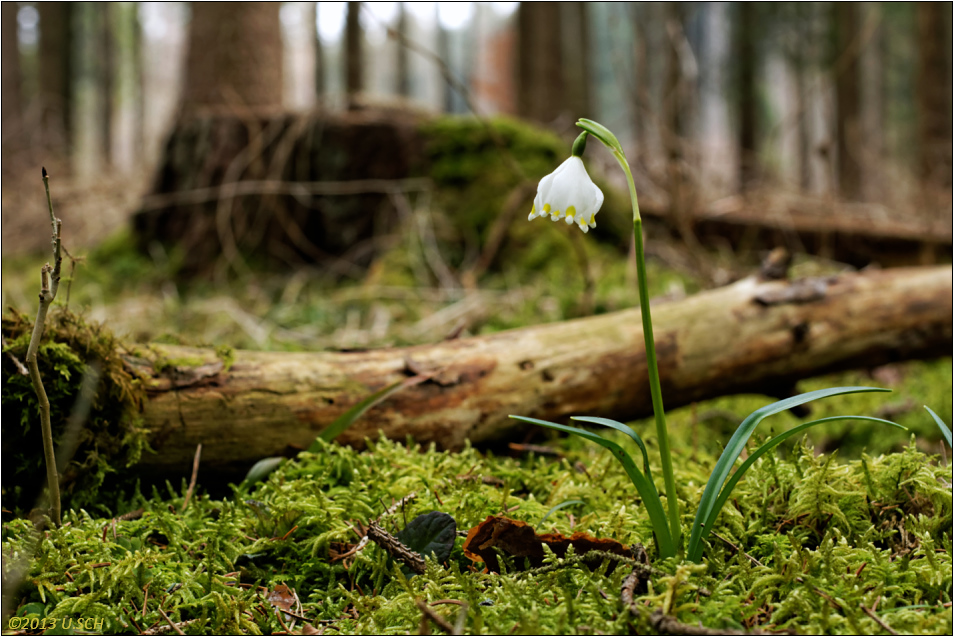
[(49, 282)]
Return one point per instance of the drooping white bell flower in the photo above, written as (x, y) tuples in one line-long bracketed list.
[(568, 193)]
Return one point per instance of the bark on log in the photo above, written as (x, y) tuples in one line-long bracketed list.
[(753, 336)]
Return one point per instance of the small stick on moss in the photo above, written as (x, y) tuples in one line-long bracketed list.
[(870, 613), (49, 283), (195, 474), (170, 622), (637, 582), (395, 548), (736, 548), (436, 619), (161, 630), (669, 625)]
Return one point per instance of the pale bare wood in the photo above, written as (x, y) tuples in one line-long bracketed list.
[(753, 336)]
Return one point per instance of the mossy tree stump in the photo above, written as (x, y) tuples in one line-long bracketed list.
[(279, 189)]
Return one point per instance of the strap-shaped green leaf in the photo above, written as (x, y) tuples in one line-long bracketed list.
[(345, 420), (945, 430), (562, 505), (626, 429), (735, 446), (261, 469), (644, 487), (766, 447)]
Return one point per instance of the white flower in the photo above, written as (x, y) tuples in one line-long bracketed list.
[(568, 193)]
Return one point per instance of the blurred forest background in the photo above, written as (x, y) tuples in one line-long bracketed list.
[(347, 176), (291, 133)]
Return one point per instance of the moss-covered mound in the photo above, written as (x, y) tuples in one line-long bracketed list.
[(472, 163), (805, 544), (109, 440)]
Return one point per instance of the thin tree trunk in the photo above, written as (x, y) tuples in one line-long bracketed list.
[(320, 82), (747, 60), (848, 100), (139, 88), (541, 93), (56, 55), (642, 109), (674, 111), (106, 75), (444, 53), (354, 55), (934, 95), (577, 67), (750, 337), (403, 78), (12, 98)]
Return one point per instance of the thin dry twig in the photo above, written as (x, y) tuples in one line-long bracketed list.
[(870, 613), (195, 474), (170, 622), (436, 619), (637, 582), (737, 549), (49, 284), (669, 625)]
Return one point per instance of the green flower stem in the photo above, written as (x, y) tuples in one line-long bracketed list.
[(662, 433)]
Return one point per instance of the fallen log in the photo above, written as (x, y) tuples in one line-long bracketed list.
[(753, 336)]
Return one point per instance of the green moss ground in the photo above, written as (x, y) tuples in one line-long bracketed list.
[(829, 537)]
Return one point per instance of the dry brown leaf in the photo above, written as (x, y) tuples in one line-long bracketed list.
[(518, 539)]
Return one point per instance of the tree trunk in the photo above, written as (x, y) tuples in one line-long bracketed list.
[(751, 337), (748, 112), (403, 76), (105, 76), (848, 98), (354, 55), (12, 101), (577, 68), (444, 53), (56, 54), (235, 57), (873, 107), (319, 59), (541, 95), (642, 110), (934, 95), (138, 86)]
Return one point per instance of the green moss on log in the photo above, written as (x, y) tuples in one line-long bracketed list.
[(112, 437)]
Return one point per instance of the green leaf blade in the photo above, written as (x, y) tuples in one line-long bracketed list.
[(768, 446), (626, 429), (346, 419), (261, 469), (644, 487), (562, 505), (945, 430), (733, 450)]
